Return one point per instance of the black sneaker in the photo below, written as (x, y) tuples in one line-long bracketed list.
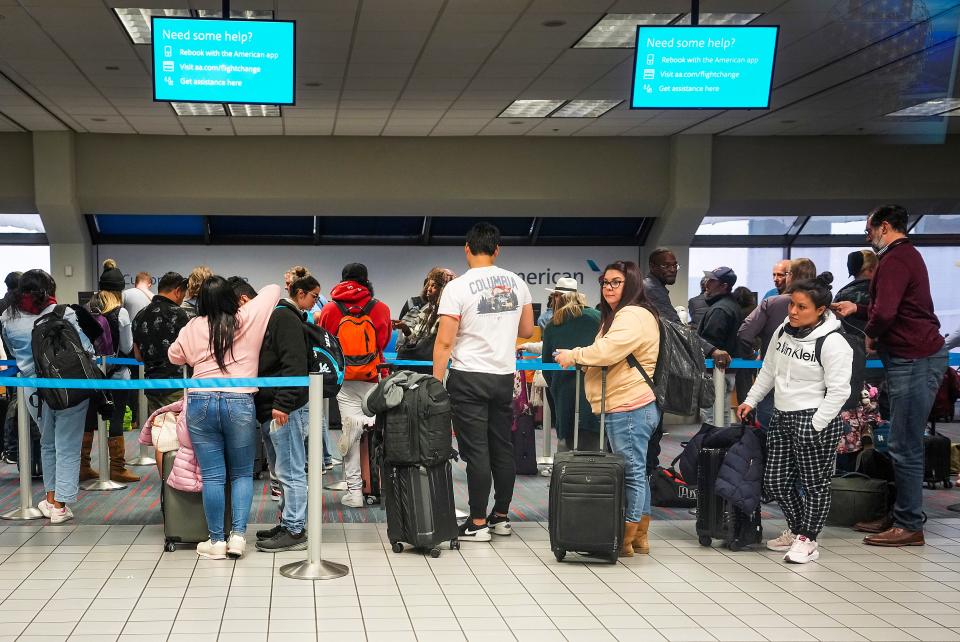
[(284, 541), (9, 459), (269, 533), (499, 524), (474, 532)]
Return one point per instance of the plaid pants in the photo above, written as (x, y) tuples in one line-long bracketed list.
[(795, 450)]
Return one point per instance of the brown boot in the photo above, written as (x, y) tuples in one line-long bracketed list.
[(640, 543), (629, 534), (118, 470), (85, 471)]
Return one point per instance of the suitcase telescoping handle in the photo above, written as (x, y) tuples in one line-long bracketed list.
[(576, 408)]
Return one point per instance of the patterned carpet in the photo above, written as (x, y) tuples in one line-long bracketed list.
[(140, 502)]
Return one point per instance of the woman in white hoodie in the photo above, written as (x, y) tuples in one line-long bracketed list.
[(808, 366)]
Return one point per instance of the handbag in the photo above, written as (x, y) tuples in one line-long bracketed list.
[(164, 432), (857, 498), (669, 490)]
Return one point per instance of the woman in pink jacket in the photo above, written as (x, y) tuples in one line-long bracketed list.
[(224, 341)]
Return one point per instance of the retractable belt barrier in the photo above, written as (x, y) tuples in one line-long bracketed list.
[(314, 567)]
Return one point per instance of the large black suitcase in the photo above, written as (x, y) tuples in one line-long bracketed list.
[(420, 508), (936, 459), (716, 517), (587, 503)]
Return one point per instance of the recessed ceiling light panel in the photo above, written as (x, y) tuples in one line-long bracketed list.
[(245, 14), (199, 109), (137, 21), (619, 30), (933, 107), (530, 108), (721, 19), (268, 111), (585, 108)]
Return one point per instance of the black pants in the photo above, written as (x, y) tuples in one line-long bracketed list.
[(653, 447), (120, 400), (482, 417)]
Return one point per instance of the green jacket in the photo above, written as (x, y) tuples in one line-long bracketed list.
[(573, 333)]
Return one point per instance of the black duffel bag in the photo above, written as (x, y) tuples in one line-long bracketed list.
[(857, 498), (668, 489)]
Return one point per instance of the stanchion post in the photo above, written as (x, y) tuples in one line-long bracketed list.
[(103, 482), (719, 390), (546, 460), (26, 511), (315, 567), (144, 459)]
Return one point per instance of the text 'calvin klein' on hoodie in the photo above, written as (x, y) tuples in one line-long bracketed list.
[(799, 382)]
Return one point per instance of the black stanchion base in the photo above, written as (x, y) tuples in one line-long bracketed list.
[(954, 508)]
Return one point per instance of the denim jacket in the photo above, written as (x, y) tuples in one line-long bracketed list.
[(18, 333)]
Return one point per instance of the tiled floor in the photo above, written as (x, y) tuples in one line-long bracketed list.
[(104, 583)]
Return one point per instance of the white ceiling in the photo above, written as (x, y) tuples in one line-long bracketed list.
[(448, 67)]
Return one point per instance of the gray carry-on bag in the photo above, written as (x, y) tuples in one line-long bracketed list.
[(184, 521)]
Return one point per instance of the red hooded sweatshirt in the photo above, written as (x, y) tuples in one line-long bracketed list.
[(354, 296)]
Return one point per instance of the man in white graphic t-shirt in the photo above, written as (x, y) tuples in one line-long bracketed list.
[(481, 315)]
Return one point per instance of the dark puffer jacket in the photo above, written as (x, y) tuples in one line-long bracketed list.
[(740, 480)]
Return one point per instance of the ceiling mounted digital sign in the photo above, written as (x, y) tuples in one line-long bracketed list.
[(703, 67), (224, 61)]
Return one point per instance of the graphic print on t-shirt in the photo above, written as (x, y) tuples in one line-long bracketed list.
[(496, 294)]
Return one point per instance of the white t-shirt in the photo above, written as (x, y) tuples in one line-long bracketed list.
[(488, 302)]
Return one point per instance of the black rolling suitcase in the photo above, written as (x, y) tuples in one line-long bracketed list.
[(716, 517), (936, 459), (420, 508), (587, 501)]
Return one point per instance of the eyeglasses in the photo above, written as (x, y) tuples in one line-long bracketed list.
[(669, 266), (613, 285)]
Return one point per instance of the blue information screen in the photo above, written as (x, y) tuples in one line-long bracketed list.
[(703, 67), (223, 61)]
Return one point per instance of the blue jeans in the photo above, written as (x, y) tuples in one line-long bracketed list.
[(912, 386), (223, 427), (288, 461), (61, 436), (328, 446), (629, 433)]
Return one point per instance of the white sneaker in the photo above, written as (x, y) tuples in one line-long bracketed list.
[(60, 515), (45, 507), (352, 499), (782, 543), (803, 550), (212, 550), (236, 545), (470, 532)]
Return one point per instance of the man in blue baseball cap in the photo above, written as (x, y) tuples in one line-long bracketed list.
[(719, 328)]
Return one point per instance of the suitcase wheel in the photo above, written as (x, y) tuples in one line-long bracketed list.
[(948, 484), (614, 557), (560, 554), (170, 546), (371, 500), (435, 552), (454, 545), (397, 547), (705, 541)]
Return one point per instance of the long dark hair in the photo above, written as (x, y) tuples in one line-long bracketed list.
[(219, 303), (36, 284), (633, 293)]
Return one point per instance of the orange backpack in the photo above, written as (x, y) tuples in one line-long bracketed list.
[(358, 340)]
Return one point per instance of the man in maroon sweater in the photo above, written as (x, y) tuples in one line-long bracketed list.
[(903, 329)]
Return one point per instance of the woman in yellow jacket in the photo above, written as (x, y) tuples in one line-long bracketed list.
[(628, 327)]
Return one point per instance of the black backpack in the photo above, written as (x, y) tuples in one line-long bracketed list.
[(680, 383), (417, 432), (325, 357), (858, 370), (59, 354)]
